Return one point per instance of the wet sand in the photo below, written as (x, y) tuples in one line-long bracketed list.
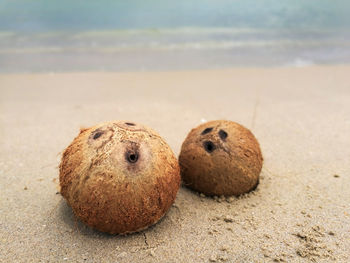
[(300, 211)]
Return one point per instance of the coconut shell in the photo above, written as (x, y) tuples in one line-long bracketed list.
[(221, 158), (119, 177)]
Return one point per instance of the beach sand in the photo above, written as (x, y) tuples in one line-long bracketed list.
[(300, 211)]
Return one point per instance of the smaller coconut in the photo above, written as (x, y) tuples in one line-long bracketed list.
[(119, 177), (221, 158)]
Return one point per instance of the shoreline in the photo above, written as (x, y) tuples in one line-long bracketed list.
[(194, 70)]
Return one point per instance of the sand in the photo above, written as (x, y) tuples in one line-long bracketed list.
[(300, 211)]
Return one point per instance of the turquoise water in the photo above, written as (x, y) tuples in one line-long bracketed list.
[(63, 35)]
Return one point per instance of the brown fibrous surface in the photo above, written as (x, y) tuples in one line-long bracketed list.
[(221, 158), (119, 177)]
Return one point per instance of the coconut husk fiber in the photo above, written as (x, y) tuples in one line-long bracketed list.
[(119, 177)]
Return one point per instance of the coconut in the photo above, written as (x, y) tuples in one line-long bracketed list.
[(119, 177), (221, 158)]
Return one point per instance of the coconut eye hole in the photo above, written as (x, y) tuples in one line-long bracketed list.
[(209, 146), (207, 130), (223, 135), (132, 157), (97, 135), (130, 123)]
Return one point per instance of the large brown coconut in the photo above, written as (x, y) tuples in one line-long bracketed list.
[(119, 177), (221, 158)]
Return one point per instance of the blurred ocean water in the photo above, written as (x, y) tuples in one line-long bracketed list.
[(62, 35)]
